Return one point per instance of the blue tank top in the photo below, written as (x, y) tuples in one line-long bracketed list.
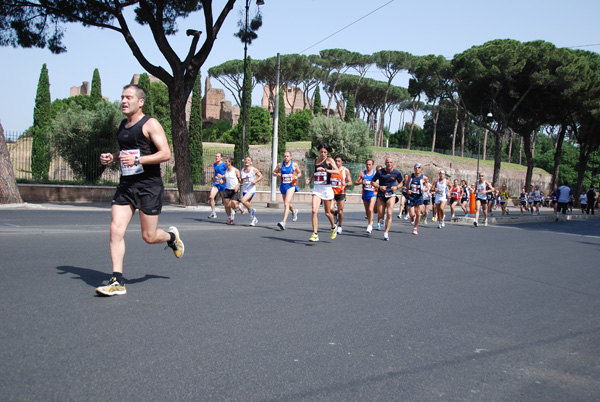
[(287, 173), (219, 169), (415, 184), (368, 189)]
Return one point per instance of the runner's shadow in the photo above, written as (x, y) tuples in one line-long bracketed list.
[(93, 278)]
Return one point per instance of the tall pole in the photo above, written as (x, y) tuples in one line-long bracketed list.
[(244, 86), (275, 132)]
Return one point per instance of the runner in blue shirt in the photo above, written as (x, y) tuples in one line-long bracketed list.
[(387, 181)]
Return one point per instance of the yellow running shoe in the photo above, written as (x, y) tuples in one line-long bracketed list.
[(333, 234), (177, 244), (113, 288), (314, 237)]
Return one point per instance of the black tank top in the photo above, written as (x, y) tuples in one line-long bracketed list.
[(134, 138), (322, 177)]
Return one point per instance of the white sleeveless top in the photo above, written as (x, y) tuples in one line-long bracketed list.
[(231, 179), (247, 179)]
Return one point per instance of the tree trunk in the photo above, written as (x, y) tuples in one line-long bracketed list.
[(412, 125), (485, 135), (435, 123), (558, 155), (181, 147), (529, 157), (9, 192), (497, 158), (510, 144), (455, 131), (463, 125), (533, 140), (584, 159)]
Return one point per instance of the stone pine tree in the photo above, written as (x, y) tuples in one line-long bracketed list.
[(282, 127), (9, 192), (317, 108), (247, 100), (96, 94), (144, 83), (195, 132), (40, 149), (349, 114)]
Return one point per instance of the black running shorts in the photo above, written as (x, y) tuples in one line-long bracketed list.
[(146, 199)]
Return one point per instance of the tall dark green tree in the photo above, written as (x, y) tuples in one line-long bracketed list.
[(96, 94), (144, 83), (349, 114), (195, 132), (40, 150), (282, 127), (318, 107)]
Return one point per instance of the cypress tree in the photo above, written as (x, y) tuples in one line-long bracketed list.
[(282, 127), (349, 115), (144, 83), (317, 106), (40, 149), (195, 132), (96, 94)]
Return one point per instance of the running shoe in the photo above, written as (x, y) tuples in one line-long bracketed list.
[(113, 288), (295, 215), (399, 216), (314, 237), (439, 225), (453, 217), (232, 214), (425, 221), (370, 229), (406, 217), (333, 234), (475, 223), (212, 215), (434, 219), (485, 222), (229, 221), (252, 212), (415, 232), (176, 245), (339, 230), (386, 237), (281, 225), (378, 226), (443, 224), (253, 222), (241, 209)]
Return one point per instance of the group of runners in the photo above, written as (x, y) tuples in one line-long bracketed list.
[(382, 188)]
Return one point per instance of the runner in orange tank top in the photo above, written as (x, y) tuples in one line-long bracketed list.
[(339, 181)]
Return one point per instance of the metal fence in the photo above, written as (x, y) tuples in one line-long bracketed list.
[(60, 172)]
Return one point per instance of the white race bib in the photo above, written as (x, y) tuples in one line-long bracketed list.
[(131, 170)]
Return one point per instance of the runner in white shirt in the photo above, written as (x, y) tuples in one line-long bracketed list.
[(250, 176)]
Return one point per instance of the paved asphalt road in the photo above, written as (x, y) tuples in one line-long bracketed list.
[(497, 313)]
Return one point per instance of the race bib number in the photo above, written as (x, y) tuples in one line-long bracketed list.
[(368, 186), (336, 182), (247, 180), (131, 170), (320, 177), (286, 178), (388, 192)]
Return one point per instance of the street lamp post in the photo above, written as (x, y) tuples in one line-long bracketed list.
[(258, 3)]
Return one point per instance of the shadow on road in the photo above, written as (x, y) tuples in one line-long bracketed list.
[(93, 278)]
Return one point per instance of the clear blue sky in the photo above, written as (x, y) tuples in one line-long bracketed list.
[(434, 27)]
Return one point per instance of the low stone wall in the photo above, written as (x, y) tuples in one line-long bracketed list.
[(56, 193)]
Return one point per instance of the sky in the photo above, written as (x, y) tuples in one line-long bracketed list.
[(298, 26)]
